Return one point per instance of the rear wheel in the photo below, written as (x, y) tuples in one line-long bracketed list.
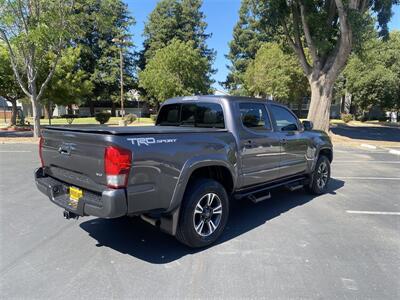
[(204, 213), (320, 176)]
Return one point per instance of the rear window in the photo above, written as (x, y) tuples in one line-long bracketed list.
[(207, 115)]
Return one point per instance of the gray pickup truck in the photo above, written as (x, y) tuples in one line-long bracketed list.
[(181, 174)]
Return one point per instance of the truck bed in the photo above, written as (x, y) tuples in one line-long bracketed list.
[(134, 130)]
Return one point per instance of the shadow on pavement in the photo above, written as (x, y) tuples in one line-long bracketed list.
[(139, 239), (387, 134), (15, 134)]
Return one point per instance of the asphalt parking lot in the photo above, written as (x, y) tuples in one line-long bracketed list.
[(344, 244)]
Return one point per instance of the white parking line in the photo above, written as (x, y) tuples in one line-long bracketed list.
[(14, 151), (364, 212), (367, 161), (359, 152), (369, 178), (368, 146), (395, 152)]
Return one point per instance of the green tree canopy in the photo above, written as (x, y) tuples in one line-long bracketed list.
[(70, 84), (276, 73), (181, 20), (9, 88), (329, 30), (33, 31), (249, 33), (104, 21), (176, 70), (373, 75)]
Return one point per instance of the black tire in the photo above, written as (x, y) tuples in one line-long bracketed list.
[(316, 187), (198, 193)]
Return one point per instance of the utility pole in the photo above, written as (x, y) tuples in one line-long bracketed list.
[(120, 43), (121, 66)]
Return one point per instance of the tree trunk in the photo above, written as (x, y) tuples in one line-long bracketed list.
[(46, 110), (13, 112), (36, 116), (299, 107), (49, 111), (91, 107), (113, 109), (320, 105), (36, 111), (69, 109), (347, 102)]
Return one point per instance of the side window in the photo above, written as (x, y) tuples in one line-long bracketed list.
[(210, 115), (169, 115), (284, 119), (254, 116)]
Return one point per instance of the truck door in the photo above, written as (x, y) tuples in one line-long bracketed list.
[(294, 144), (259, 144)]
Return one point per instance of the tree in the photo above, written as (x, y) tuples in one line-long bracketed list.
[(373, 75), (176, 19), (9, 88), (32, 29), (176, 70), (70, 84), (104, 21), (248, 35), (329, 29), (276, 73)]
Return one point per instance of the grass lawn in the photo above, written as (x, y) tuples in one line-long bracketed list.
[(88, 121)]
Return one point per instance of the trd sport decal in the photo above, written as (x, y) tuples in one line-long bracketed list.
[(147, 141)]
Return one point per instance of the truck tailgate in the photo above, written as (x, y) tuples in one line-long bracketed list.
[(76, 158)]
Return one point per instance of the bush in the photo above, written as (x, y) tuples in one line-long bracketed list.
[(130, 118), (346, 117), (153, 117), (70, 118), (383, 119), (102, 117)]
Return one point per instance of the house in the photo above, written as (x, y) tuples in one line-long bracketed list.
[(139, 108)]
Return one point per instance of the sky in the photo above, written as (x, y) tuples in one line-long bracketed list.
[(221, 16)]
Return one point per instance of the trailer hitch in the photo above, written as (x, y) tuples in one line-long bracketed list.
[(70, 215)]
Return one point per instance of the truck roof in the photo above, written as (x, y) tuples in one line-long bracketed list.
[(216, 98)]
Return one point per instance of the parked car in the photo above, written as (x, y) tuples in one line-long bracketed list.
[(182, 173)]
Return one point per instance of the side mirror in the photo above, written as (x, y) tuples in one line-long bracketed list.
[(308, 125)]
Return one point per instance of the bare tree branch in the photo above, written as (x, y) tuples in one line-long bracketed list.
[(49, 76), (331, 9), (299, 49), (22, 16), (13, 63), (338, 58), (307, 34)]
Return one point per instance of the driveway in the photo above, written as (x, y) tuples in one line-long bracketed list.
[(372, 133), (344, 244)]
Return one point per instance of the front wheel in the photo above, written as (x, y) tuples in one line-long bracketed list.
[(204, 213), (320, 176)]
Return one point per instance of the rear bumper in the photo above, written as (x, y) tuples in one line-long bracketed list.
[(109, 204)]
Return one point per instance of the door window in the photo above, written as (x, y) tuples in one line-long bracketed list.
[(254, 116), (284, 119)]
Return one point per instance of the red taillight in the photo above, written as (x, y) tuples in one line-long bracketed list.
[(41, 151), (117, 163)]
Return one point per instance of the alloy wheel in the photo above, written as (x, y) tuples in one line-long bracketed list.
[(207, 214)]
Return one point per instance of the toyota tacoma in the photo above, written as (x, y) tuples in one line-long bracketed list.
[(181, 174)]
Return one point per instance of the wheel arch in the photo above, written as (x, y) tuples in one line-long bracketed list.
[(326, 152)]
